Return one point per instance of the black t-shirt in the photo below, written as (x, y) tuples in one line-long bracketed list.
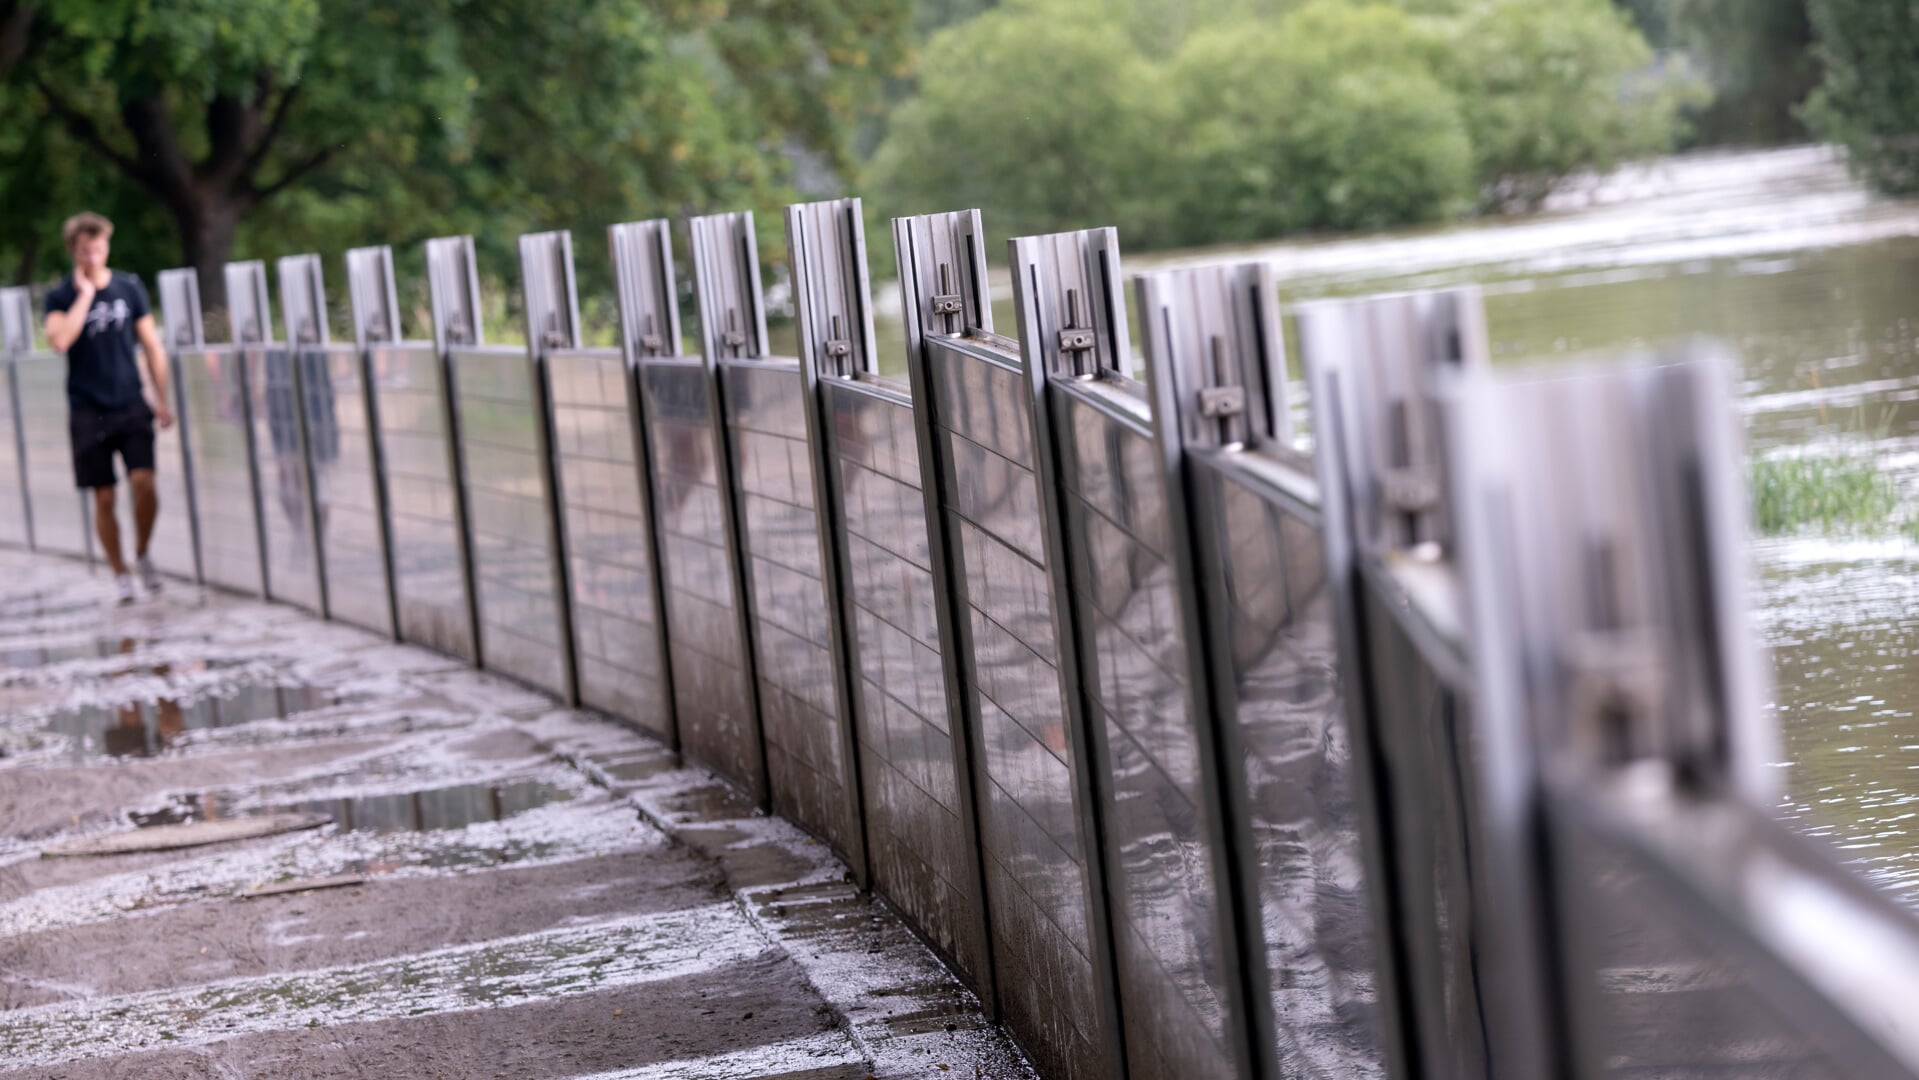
[(102, 373)]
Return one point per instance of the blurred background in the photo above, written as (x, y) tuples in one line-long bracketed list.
[(1613, 172)]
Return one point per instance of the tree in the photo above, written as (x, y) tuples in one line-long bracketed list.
[(1329, 117), (1551, 87), (1759, 58), (1048, 121), (1870, 97), (341, 121)]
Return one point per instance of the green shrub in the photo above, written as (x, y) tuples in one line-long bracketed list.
[(1870, 97), (1553, 87)]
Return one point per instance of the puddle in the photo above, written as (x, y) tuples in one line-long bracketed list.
[(33, 656), (145, 728), (410, 811)]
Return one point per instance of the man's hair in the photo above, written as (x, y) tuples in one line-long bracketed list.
[(85, 226)]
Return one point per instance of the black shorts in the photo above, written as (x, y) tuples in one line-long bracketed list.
[(97, 436)]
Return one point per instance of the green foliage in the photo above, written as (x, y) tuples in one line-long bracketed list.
[(1327, 118), (1242, 119), (1870, 98), (1052, 122), (1550, 87), (324, 123), (1827, 494)]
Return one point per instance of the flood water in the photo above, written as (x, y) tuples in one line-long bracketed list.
[(1815, 284)]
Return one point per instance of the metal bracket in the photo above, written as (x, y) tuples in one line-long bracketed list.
[(942, 272), (303, 299), (1213, 333), (16, 321), (376, 303), (649, 298), (249, 311), (551, 301), (1373, 362), (180, 307), (726, 275), (1072, 312), (1606, 561), (453, 280), (826, 242)]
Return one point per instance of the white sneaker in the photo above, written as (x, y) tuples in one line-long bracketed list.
[(149, 577), (124, 583)]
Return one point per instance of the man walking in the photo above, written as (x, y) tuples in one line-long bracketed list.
[(94, 318)]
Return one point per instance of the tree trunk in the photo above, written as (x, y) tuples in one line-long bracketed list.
[(207, 227), (29, 260)]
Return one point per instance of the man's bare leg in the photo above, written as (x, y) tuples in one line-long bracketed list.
[(146, 508), (107, 527)]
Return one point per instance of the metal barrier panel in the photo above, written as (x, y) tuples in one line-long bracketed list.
[(800, 715), (14, 527), (506, 473), (1699, 935), (1268, 610), (280, 463), (62, 521), (1039, 899), (346, 496), (1160, 798), (213, 391), (174, 544), (712, 698), (919, 828), (423, 498), (616, 631)]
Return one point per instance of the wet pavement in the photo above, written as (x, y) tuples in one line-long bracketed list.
[(414, 869)]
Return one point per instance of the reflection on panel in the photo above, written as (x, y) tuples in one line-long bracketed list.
[(13, 497), (710, 694), (1271, 613), (1425, 737), (211, 382), (1035, 858), (799, 703), (279, 452), (615, 635), (1667, 998), (506, 499), (171, 547), (1133, 662), (909, 768), (59, 516), (429, 576), (345, 490)]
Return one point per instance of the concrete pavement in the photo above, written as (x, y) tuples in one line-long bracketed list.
[(497, 886)]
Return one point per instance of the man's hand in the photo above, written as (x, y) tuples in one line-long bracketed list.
[(163, 416), (83, 286)]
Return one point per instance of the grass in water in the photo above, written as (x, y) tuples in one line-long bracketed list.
[(1829, 494)]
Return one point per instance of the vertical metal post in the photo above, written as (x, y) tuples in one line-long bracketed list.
[(826, 249), (376, 321), (649, 326), (1072, 322), (1216, 369), (250, 322), (186, 329), (552, 322), (16, 340), (303, 307), (726, 277), (941, 261), (1373, 364), (453, 283)]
